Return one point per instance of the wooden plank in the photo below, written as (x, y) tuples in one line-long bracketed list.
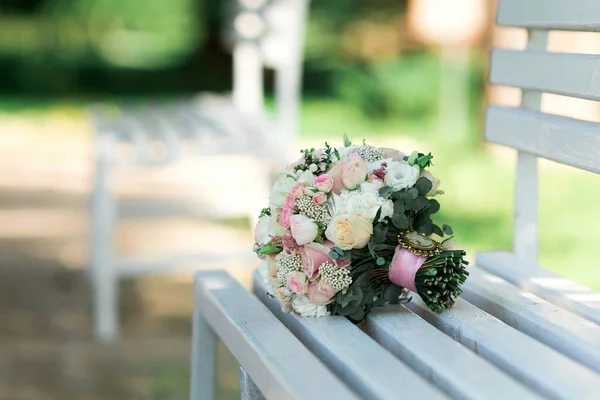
[(575, 75), (527, 360), (565, 140), (562, 330), (356, 358), (270, 353), (572, 15), (443, 361), (549, 286)]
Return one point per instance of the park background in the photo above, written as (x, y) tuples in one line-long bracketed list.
[(401, 73)]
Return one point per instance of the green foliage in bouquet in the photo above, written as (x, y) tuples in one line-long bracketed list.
[(437, 281)]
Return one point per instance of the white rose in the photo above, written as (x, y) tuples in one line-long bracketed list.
[(362, 202), (350, 231), (306, 177), (304, 230), (280, 191), (303, 306), (400, 175), (435, 182), (262, 230)]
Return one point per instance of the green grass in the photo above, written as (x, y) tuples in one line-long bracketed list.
[(478, 181)]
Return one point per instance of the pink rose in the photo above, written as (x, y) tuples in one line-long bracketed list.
[(323, 183), (297, 282), (315, 254), (319, 199), (290, 202), (374, 179), (354, 171), (320, 293), (304, 229), (298, 190), (336, 175), (285, 217)]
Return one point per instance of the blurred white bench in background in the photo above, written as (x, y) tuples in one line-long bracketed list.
[(262, 33), (519, 332)]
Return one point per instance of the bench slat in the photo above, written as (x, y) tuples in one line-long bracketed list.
[(365, 366), (272, 356), (578, 15), (566, 140), (568, 333), (549, 286), (538, 366), (445, 362), (574, 75)]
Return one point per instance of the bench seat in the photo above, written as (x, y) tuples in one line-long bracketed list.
[(270, 353), (549, 286)]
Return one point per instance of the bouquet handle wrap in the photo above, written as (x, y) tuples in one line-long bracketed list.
[(404, 267)]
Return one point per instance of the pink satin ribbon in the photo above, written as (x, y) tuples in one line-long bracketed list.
[(404, 267)]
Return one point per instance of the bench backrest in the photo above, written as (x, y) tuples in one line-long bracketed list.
[(535, 70)]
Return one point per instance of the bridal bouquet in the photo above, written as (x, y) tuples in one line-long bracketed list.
[(349, 229)]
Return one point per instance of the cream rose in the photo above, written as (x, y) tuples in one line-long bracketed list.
[(354, 171), (304, 230), (297, 282), (400, 175), (435, 182), (349, 231)]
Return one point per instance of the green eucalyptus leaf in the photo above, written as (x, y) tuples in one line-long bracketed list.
[(399, 207), (426, 228), (347, 141), (392, 294), (417, 204), (402, 195), (400, 221), (379, 232), (447, 230), (358, 315), (438, 231), (434, 206), (413, 192), (423, 185)]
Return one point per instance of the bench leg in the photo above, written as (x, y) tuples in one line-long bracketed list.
[(103, 274), (248, 389), (204, 347)]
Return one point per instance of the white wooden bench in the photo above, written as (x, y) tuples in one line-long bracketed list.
[(519, 332), (261, 33)]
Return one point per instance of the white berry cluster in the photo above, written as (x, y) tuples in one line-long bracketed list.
[(318, 213), (370, 153), (287, 264), (336, 277)]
